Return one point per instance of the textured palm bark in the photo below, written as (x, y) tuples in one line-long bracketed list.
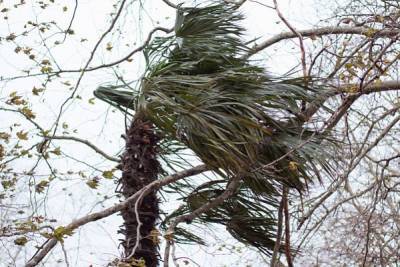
[(139, 168)]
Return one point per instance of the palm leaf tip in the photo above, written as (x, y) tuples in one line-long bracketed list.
[(116, 96)]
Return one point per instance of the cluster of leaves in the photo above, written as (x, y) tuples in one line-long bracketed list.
[(204, 95)]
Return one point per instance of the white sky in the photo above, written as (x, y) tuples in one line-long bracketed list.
[(97, 242)]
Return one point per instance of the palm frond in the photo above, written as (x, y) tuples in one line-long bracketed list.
[(202, 94), (247, 217)]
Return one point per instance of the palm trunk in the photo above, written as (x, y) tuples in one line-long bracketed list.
[(139, 168)]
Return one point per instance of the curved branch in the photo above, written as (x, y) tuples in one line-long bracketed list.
[(331, 30), (71, 21), (381, 86), (50, 243), (83, 141), (138, 49), (106, 65)]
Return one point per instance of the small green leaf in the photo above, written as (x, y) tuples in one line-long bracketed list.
[(60, 232), (46, 69), (41, 186), (93, 183), (108, 174), (21, 241), (56, 151), (22, 135), (109, 47), (27, 112), (65, 125), (36, 91)]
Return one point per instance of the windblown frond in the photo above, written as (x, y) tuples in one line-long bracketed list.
[(200, 91)]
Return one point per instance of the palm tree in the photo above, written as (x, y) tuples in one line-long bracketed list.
[(201, 93), (139, 168)]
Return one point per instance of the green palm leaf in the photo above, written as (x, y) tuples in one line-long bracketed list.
[(201, 93)]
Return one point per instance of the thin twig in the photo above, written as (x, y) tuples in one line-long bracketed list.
[(139, 224), (278, 234), (300, 37), (287, 227), (173, 254), (374, 63), (136, 50), (343, 177), (70, 22), (65, 254), (83, 141), (82, 72)]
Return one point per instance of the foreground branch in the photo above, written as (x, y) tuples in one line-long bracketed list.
[(49, 245)]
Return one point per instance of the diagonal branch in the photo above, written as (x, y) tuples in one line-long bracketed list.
[(334, 186), (50, 243), (274, 257), (330, 30), (169, 3), (83, 141), (287, 227), (300, 37), (381, 86), (128, 56)]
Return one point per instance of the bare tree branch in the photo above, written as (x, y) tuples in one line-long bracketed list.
[(83, 141), (169, 3), (274, 257), (83, 71), (331, 30), (300, 37), (287, 227), (138, 49), (353, 164), (50, 243), (376, 87)]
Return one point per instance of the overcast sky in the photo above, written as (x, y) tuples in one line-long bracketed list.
[(97, 243)]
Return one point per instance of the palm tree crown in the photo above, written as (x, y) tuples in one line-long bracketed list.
[(201, 91)]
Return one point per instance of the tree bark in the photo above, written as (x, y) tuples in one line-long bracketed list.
[(139, 168)]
